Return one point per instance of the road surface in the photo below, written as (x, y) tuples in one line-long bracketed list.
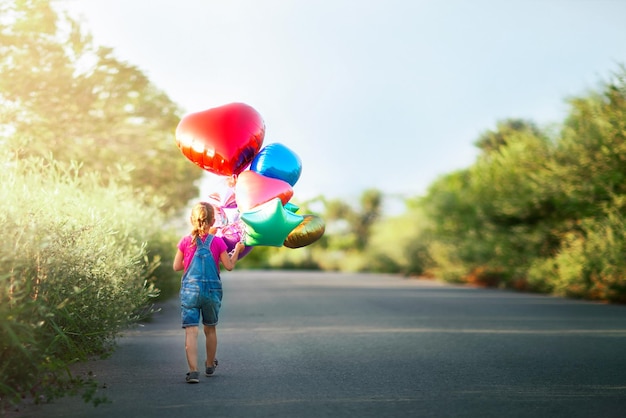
[(308, 344)]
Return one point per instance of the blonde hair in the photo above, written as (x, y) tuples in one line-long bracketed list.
[(202, 218)]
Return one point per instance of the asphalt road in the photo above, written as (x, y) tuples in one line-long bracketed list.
[(300, 344)]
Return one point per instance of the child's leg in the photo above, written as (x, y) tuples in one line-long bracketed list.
[(211, 343), (191, 347)]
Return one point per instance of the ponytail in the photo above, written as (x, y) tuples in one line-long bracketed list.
[(202, 218)]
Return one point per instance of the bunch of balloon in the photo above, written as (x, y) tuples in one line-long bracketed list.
[(263, 194), (253, 205)]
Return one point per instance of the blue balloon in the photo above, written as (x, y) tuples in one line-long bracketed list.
[(278, 162)]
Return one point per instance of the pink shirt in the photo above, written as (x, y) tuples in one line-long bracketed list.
[(218, 246)]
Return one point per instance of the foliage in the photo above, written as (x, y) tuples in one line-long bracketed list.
[(61, 95), (89, 170), (537, 211), (541, 209), (591, 263), (353, 225), (74, 271), (491, 141), (398, 244)]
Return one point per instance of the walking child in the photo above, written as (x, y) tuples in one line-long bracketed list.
[(199, 255)]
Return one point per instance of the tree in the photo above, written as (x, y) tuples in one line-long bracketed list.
[(538, 212), (491, 141), (62, 96), (358, 222), (592, 152), (490, 220)]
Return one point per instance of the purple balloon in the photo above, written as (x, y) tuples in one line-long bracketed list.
[(245, 252), (231, 234)]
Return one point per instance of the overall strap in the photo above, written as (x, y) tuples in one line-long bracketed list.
[(207, 242), (211, 267)]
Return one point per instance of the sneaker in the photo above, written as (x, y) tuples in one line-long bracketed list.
[(192, 377), (210, 370)]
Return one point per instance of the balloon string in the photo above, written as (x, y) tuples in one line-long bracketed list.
[(243, 235)]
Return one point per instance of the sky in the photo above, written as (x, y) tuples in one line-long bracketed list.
[(384, 94)]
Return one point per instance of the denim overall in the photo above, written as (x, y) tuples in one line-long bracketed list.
[(201, 287)]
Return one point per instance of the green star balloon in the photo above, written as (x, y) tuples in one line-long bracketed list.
[(291, 207), (269, 224)]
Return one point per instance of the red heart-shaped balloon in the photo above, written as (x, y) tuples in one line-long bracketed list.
[(253, 189), (223, 140)]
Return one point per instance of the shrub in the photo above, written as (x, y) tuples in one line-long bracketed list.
[(591, 264), (74, 271)]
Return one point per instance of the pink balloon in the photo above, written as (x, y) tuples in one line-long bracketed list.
[(253, 189)]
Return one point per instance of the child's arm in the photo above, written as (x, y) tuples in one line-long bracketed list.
[(229, 261), (178, 261)]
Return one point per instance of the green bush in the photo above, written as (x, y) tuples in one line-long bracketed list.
[(400, 244), (160, 249), (540, 209), (591, 264), (542, 275), (74, 271)]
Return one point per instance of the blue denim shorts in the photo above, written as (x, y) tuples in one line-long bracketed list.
[(199, 299)]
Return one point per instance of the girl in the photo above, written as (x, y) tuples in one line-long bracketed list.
[(199, 255)]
